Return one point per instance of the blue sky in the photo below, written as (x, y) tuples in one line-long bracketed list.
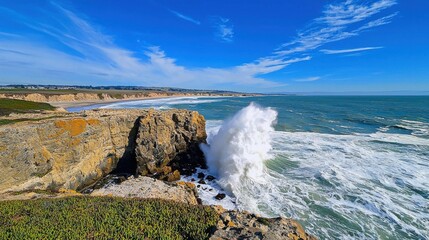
[(255, 46)]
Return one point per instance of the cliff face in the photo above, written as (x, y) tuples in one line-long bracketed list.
[(37, 97), (75, 150), (169, 136)]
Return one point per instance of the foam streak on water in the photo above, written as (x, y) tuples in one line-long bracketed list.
[(162, 103)]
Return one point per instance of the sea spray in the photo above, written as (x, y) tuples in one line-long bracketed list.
[(236, 153)]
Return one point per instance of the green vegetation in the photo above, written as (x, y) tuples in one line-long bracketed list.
[(104, 218), (9, 121), (8, 106)]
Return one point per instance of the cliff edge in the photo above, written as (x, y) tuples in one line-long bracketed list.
[(72, 151)]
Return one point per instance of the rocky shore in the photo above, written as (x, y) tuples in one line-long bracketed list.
[(67, 154)]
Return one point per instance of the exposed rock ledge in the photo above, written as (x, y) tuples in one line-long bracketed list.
[(72, 151), (146, 187), (244, 225)]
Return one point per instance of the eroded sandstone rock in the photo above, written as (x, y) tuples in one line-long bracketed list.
[(168, 137), (72, 151)]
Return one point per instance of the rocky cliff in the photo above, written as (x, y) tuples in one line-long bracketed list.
[(166, 137), (74, 150)]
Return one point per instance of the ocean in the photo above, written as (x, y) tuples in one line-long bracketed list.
[(346, 167)]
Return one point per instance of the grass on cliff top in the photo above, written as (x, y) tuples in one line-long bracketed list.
[(8, 106), (104, 218)]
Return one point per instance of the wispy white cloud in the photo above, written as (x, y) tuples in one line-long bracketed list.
[(224, 30), (339, 21), (8, 34), (308, 79), (184, 17), (350, 11), (352, 50), (82, 54), (378, 22)]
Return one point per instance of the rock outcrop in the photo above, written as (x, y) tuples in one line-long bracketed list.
[(166, 137), (145, 187), (244, 225), (74, 150)]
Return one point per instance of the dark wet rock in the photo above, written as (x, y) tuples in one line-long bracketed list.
[(220, 196), (201, 175), (210, 178), (120, 179), (202, 181)]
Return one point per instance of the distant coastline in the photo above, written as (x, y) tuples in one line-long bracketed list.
[(78, 96)]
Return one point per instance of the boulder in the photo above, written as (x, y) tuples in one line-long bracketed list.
[(243, 225), (220, 196), (169, 138)]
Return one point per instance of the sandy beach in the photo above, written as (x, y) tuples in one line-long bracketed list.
[(96, 102)]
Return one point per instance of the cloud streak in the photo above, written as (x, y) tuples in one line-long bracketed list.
[(79, 53), (309, 79), (352, 50), (184, 17)]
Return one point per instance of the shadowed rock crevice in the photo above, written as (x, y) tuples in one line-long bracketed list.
[(127, 164)]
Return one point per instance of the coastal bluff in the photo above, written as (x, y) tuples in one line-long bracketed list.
[(49, 155), (74, 150)]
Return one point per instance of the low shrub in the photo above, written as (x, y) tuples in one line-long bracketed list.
[(104, 218)]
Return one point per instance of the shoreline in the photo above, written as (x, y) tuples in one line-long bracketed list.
[(76, 104)]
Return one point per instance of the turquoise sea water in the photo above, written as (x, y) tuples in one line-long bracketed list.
[(354, 167)]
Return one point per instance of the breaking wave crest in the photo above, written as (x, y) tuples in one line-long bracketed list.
[(237, 151)]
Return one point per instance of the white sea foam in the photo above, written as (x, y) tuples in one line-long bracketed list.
[(417, 128), (208, 191), (162, 103), (237, 151), (363, 178), (360, 186)]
